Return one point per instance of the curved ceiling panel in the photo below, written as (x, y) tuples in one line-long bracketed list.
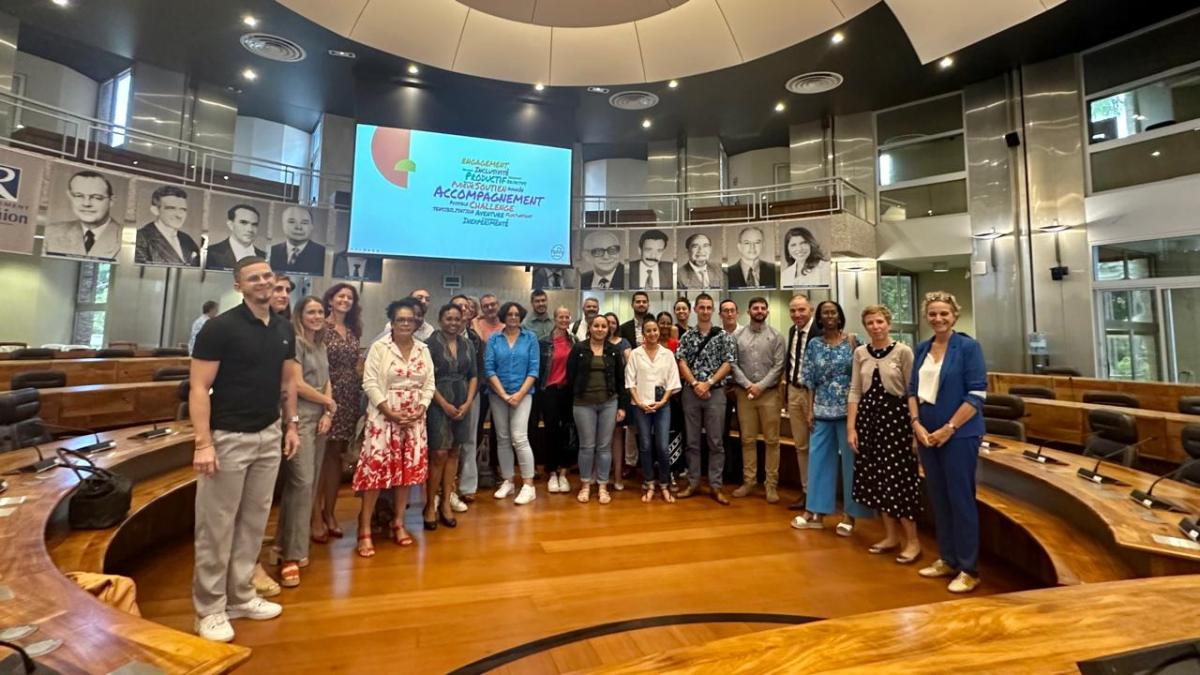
[(690, 39), (585, 56), (503, 50), (426, 31), (940, 27), (765, 26)]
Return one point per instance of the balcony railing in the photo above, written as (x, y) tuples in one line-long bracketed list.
[(771, 202)]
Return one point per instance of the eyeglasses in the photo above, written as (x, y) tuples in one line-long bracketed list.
[(403, 320), (610, 251)]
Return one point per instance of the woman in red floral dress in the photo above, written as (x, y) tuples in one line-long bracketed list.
[(398, 381)]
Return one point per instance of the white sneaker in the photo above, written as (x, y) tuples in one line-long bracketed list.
[(564, 485), (802, 523), (506, 488), (457, 505), (552, 484), (527, 494), (214, 627), (257, 609)]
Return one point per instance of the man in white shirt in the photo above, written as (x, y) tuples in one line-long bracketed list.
[(797, 396), (298, 253), (208, 311), (93, 233), (425, 330), (591, 310), (242, 221), (729, 316)]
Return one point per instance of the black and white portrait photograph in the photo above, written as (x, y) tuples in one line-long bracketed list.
[(86, 213), (170, 221), (299, 233), (599, 261), (752, 258), (554, 278), (348, 266), (237, 228), (806, 253), (651, 259), (700, 254)]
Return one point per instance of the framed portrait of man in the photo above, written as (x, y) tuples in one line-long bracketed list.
[(554, 278), (350, 266), (601, 252), (754, 266), (237, 229), (652, 259), (300, 234), (170, 220), (701, 250), (86, 213)]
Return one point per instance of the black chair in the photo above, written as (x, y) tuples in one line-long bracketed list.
[(20, 427), (169, 351), (1189, 405), (1113, 398), (1002, 414), (29, 353), (39, 379), (115, 353), (1061, 370), (1190, 436), (1111, 430), (14, 344), (170, 373), (1027, 391), (181, 412)]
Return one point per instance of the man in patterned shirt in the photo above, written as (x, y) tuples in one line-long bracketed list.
[(706, 356)]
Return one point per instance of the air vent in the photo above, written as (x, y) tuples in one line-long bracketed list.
[(273, 47), (814, 83), (633, 100)]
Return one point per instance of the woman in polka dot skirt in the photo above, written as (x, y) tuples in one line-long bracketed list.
[(885, 462)]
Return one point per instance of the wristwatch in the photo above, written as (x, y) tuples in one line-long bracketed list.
[(294, 419)]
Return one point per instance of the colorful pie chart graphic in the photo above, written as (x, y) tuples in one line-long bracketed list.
[(389, 150)]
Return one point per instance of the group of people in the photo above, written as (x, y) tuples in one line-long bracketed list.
[(865, 408)]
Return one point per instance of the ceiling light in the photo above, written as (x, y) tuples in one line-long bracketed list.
[(249, 74), (853, 267), (413, 69), (1140, 118), (1156, 153), (990, 235), (646, 123), (1054, 227), (598, 90), (1099, 137), (941, 267), (780, 107), (946, 62), (539, 86), (62, 3), (342, 54), (673, 84), (250, 21), (838, 38)]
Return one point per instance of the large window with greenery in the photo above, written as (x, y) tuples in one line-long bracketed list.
[(897, 292), (91, 304)]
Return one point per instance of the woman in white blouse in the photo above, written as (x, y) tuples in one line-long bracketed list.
[(398, 381), (652, 377)]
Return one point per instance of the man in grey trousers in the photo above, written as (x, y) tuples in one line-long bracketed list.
[(706, 356), (243, 356)]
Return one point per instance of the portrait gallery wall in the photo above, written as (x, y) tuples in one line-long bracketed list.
[(91, 213)]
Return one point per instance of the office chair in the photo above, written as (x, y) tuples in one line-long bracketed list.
[(115, 353), (1027, 391), (20, 427), (1190, 435), (39, 379), (1189, 405), (1002, 414), (131, 346), (181, 412), (167, 373), (30, 353), (1061, 370), (1113, 398), (169, 351), (1111, 429)]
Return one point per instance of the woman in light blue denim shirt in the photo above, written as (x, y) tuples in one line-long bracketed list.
[(511, 368), (828, 362)]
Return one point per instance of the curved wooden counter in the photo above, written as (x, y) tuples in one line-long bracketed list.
[(96, 638)]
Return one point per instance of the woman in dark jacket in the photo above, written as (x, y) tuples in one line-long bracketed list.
[(556, 399), (596, 378)]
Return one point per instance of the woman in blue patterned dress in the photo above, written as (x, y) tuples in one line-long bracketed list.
[(826, 375)]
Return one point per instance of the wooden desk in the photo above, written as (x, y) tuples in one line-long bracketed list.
[(107, 406), (92, 371), (96, 638), (1162, 396), (1043, 631), (1066, 421)]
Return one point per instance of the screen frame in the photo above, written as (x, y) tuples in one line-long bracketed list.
[(568, 263)]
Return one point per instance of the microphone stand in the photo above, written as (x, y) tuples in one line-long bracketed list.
[(96, 446), (1147, 498), (1190, 527), (42, 464), (1040, 458), (1094, 474)]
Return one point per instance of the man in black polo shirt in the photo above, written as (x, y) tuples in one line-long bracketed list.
[(242, 356)]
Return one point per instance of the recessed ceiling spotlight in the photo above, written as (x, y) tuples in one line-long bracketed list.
[(539, 86), (342, 54), (250, 21), (62, 3), (598, 90), (673, 84), (1156, 153), (249, 74), (780, 107), (838, 38), (946, 62), (233, 90), (413, 69), (1099, 137), (646, 123)]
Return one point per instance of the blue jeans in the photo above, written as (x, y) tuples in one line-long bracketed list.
[(595, 424), (512, 436), (656, 425), (950, 480), (827, 441)]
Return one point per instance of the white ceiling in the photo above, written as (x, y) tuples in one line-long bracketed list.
[(689, 38)]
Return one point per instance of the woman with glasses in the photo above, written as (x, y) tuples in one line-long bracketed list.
[(511, 368)]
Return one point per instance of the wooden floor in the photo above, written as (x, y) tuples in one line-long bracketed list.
[(511, 575)]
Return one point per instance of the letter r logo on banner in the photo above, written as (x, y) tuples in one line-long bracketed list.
[(10, 182)]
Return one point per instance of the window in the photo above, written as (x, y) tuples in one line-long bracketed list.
[(91, 304), (1157, 258), (1130, 334), (1168, 101), (113, 106), (922, 159), (897, 293)]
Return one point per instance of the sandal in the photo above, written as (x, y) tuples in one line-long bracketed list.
[(667, 496), (406, 540), (845, 528), (289, 574), (335, 531), (604, 496), (320, 538), (648, 496), (908, 559), (585, 493), (264, 585), (881, 548), (367, 550)]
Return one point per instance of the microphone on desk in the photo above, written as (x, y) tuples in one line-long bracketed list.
[(1147, 498), (42, 464), (1039, 457), (97, 446), (154, 432), (1094, 474), (1190, 527)]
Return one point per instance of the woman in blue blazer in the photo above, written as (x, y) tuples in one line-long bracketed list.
[(945, 397)]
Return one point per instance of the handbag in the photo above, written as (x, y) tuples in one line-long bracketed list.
[(101, 500), (21, 662)]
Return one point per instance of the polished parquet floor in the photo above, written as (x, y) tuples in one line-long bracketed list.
[(510, 575)]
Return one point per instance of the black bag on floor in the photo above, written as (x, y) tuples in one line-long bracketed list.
[(102, 498)]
